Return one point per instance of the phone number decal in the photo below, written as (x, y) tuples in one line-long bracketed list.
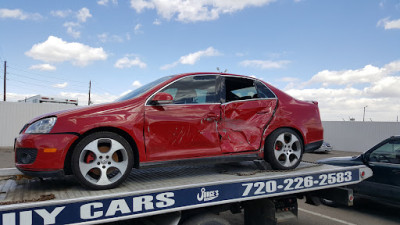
[(297, 183)]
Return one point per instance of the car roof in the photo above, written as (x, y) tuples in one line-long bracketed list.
[(210, 73)]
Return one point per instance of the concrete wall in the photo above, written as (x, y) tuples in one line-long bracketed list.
[(14, 115), (342, 135), (358, 136)]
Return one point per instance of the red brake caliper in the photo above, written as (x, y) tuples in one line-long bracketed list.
[(89, 157)]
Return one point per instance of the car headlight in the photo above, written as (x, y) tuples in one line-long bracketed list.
[(42, 126)]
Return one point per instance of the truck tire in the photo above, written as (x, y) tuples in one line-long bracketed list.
[(284, 149), (102, 160), (205, 219)]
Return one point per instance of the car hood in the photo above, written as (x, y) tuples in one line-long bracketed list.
[(342, 161), (85, 110)]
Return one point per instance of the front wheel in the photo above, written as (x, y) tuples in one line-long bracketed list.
[(102, 160), (284, 149)]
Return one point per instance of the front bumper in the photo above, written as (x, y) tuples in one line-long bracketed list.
[(53, 173), (49, 151)]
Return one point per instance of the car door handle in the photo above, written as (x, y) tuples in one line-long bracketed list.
[(211, 117)]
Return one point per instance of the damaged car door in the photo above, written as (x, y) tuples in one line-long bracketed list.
[(247, 109), (187, 126)]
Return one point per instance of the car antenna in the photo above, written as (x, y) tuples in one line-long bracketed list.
[(226, 70)]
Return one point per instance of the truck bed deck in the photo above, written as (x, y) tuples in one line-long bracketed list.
[(159, 190)]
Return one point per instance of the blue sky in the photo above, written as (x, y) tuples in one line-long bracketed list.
[(344, 54)]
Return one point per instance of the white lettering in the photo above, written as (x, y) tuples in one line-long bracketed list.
[(139, 202), (207, 195), (118, 205), (9, 218), (49, 218), (25, 218), (165, 199), (87, 210)]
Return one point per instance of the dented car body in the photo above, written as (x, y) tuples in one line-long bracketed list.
[(181, 117)]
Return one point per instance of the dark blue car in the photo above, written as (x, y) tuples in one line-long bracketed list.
[(384, 160)]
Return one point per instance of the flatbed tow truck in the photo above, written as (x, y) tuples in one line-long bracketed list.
[(194, 194)]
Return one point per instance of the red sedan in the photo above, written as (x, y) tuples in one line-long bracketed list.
[(194, 116)]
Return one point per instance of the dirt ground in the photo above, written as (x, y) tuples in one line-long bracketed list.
[(7, 156)]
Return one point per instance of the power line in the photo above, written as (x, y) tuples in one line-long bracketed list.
[(39, 74), (40, 80), (41, 85), (81, 84)]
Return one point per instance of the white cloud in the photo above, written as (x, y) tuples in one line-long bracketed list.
[(389, 24), (385, 87), (18, 14), (380, 92), (54, 49), (43, 67), (289, 79), (126, 62), (264, 64), (192, 58), (136, 84), (195, 10), (105, 2), (348, 77), (137, 28), (157, 22), (105, 37), (83, 14), (71, 29), (367, 74), (62, 85), (14, 97), (61, 13)]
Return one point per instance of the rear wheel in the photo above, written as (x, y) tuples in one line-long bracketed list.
[(102, 160), (284, 149)]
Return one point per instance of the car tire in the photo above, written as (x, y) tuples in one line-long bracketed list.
[(284, 149), (102, 160)]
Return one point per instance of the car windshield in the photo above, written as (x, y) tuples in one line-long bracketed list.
[(139, 91)]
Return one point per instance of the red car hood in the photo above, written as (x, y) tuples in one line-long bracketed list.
[(83, 110)]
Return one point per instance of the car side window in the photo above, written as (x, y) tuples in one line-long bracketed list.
[(239, 89), (263, 91), (193, 90), (387, 153)]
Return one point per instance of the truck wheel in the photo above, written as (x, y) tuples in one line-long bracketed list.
[(284, 149), (205, 219), (102, 160)]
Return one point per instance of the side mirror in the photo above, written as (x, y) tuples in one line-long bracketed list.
[(162, 98)]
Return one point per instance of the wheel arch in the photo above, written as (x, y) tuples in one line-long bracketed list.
[(124, 134), (298, 132)]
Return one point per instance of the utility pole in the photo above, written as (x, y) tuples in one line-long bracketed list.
[(5, 78), (364, 112), (90, 87)]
